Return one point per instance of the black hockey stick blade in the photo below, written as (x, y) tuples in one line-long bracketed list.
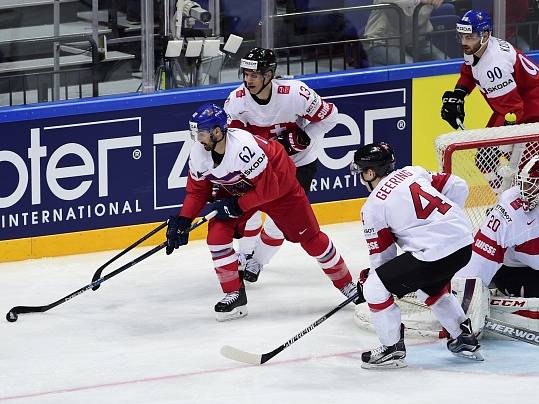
[(258, 359), (511, 331), (12, 315), (99, 271)]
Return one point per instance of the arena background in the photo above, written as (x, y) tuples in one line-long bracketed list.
[(124, 169)]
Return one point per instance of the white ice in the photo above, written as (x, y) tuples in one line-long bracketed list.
[(148, 335)]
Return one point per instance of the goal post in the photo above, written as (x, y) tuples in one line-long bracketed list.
[(488, 160)]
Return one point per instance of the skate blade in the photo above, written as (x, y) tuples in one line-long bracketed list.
[(237, 312), (476, 355), (392, 364)]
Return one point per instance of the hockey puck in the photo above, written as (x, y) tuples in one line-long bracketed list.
[(11, 317)]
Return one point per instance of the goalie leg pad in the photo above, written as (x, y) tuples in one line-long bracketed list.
[(473, 297)]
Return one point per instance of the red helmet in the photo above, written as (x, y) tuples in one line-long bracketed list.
[(527, 181)]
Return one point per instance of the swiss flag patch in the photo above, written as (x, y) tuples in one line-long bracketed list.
[(240, 93), (516, 204), (283, 89)]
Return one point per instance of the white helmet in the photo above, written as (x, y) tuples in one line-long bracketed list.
[(527, 181)]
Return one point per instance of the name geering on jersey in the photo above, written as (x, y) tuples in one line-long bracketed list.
[(419, 211)]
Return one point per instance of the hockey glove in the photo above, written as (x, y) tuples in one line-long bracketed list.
[(177, 232), (294, 141), (362, 279), (453, 107), (227, 208)]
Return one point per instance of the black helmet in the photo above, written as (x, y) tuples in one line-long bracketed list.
[(259, 59), (377, 156)]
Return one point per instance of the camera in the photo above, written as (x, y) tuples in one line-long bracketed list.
[(193, 10)]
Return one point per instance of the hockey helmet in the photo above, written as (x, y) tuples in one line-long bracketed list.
[(260, 60), (377, 156), (527, 181), (206, 118), (474, 21)]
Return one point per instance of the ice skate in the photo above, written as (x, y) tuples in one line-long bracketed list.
[(232, 306), (466, 344)]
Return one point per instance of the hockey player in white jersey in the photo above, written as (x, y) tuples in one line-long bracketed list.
[(506, 247), (421, 212), (285, 110)]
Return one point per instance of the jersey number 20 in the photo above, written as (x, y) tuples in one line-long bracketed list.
[(434, 202)]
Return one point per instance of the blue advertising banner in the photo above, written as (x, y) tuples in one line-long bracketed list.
[(109, 169), (367, 113)]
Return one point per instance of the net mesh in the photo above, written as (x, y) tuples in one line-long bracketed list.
[(488, 160)]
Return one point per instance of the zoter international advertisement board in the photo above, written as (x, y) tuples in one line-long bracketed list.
[(109, 169)]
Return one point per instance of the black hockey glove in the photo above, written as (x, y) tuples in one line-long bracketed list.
[(177, 232), (362, 279), (294, 141), (227, 208), (453, 107)]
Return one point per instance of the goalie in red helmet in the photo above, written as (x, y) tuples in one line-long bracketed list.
[(506, 247)]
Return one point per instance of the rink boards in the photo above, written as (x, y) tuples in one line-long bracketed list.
[(98, 174)]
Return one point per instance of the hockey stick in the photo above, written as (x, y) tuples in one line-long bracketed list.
[(99, 271), (12, 315), (460, 124), (258, 359), (512, 331)]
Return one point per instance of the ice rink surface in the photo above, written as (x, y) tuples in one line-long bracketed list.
[(149, 335)]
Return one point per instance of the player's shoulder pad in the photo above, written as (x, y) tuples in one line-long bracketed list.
[(510, 199)]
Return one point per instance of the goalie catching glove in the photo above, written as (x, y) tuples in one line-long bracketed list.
[(453, 107), (294, 141)]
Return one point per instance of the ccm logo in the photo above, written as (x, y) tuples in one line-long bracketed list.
[(507, 303)]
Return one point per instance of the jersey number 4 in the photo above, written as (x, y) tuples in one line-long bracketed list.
[(434, 202)]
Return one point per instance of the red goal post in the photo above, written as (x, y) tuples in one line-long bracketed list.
[(488, 160)]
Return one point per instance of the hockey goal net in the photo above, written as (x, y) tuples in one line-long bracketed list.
[(488, 160)]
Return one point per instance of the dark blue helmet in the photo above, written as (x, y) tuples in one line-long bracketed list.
[(474, 21), (207, 117)]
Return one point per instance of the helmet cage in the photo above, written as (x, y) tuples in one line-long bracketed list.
[(527, 181)]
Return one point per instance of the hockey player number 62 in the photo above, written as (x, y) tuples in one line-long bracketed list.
[(434, 202), (246, 155)]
